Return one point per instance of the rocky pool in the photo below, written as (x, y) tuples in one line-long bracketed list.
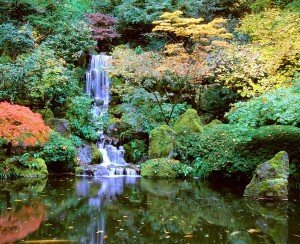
[(137, 210)]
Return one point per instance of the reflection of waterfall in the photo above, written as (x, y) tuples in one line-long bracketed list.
[(98, 87), (110, 189)]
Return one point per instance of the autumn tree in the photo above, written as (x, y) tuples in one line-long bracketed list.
[(102, 27), (269, 61), (20, 126)]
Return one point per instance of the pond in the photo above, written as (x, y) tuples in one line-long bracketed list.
[(138, 210)]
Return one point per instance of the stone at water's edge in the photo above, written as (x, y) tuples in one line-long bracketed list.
[(92, 170), (271, 179), (162, 140), (188, 122)]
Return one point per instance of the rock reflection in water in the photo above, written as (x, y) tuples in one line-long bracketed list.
[(135, 210)]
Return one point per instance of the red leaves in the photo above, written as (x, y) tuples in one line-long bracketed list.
[(102, 26), (19, 124)]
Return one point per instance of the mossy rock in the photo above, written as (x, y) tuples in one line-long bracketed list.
[(162, 142), (271, 179), (79, 170), (30, 168), (212, 123), (96, 155), (46, 113), (189, 122), (164, 168), (61, 126)]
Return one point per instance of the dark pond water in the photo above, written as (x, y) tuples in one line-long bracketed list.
[(136, 210)]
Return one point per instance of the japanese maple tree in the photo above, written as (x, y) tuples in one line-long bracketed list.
[(19, 125)]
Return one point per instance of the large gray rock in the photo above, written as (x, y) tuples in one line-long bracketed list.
[(89, 154), (271, 179), (94, 170), (61, 126)]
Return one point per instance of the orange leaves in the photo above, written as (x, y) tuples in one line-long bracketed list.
[(18, 124)]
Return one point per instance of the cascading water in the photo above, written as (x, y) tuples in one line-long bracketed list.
[(98, 87)]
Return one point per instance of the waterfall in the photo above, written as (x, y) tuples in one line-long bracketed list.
[(98, 88)]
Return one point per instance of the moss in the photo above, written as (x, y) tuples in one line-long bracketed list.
[(162, 142), (78, 170), (46, 113), (164, 168), (270, 180), (188, 122), (29, 168), (96, 155), (212, 123)]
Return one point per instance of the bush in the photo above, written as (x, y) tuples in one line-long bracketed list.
[(228, 151), (23, 166), (81, 118), (14, 41), (165, 168), (277, 107), (135, 150), (216, 100), (71, 42), (59, 154), (39, 80)]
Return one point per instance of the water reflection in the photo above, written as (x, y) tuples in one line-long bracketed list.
[(134, 210)]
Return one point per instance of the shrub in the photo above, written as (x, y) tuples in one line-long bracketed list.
[(216, 100), (165, 168), (71, 42), (277, 107), (14, 41), (135, 150), (59, 154), (23, 166), (39, 80), (228, 151), (81, 118), (19, 125)]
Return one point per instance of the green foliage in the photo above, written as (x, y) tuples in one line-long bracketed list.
[(59, 154), (162, 142), (14, 41), (38, 79), (165, 168), (234, 151), (215, 100), (81, 118), (135, 150), (96, 155), (71, 42), (23, 166), (140, 110), (276, 107)]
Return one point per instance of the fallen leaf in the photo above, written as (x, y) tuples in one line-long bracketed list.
[(254, 231)]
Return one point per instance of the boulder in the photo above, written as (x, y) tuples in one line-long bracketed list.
[(165, 168), (162, 141), (61, 126), (188, 122), (271, 179), (88, 154), (95, 170)]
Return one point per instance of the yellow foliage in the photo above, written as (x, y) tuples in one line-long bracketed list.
[(193, 28)]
